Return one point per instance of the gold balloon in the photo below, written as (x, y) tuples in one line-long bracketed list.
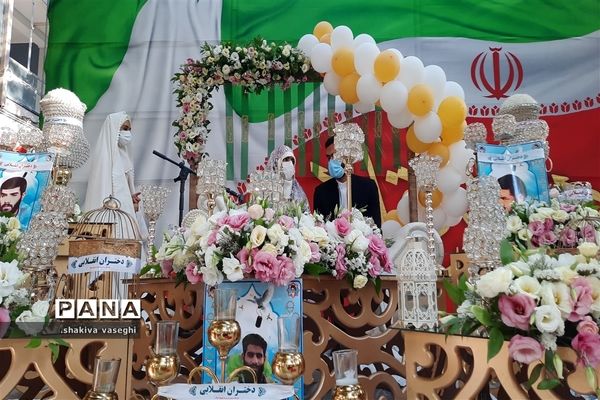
[(387, 66), (414, 144), (326, 38), (440, 150), (436, 198), (322, 28), (348, 88), (452, 111), (392, 216), (342, 61), (420, 100), (454, 133)]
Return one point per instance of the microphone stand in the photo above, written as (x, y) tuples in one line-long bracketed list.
[(184, 172)]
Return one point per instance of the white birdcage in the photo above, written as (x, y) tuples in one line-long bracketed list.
[(104, 251), (417, 278)]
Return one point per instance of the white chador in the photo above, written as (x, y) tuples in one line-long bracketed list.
[(111, 169)]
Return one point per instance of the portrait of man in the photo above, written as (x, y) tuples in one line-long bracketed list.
[(512, 188), (12, 192), (254, 355)]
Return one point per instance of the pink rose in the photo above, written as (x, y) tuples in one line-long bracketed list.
[(238, 221), (192, 274), (377, 245), (568, 237), (4, 321), (568, 207), (587, 346), (265, 266), (587, 325), (166, 267), (588, 233), (548, 224), (256, 211), (342, 225), (269, 214), (286, 222), (244, 256), (340, 261), (583, 299), (547, 238), (345, 214), (516, 310), (536, 228), (525, 349), (212, 237), (374, 266), (285, 271), (315, 252)]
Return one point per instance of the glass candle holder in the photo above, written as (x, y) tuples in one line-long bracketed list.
[(106, 372), (167, 333), (225, 303), (345, 364), (288, 333)]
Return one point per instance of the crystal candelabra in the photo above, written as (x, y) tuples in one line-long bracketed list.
[(154, 199), (267, 185), (349, 140), (487, 225), (426, 168), (211, 180), (288, 363)]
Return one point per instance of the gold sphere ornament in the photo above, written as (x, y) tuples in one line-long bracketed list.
[(349, 392), (92, 395), (161, 370), (224, 335), (288, 367)]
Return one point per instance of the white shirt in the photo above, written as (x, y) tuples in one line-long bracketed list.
[(343, 192)]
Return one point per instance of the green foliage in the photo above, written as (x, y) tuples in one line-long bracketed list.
[(315, 269), (535, 374), (495, 342), (507, 255)]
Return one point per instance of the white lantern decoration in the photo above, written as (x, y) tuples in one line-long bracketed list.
[(416, 273)]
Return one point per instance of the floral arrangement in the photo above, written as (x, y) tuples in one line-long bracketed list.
[(274, 247), (16, 304), (537, 302), (558, 225), (255, 66)]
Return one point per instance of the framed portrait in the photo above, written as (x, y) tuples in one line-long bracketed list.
[(259, 304), (23, 178), (520, 170)]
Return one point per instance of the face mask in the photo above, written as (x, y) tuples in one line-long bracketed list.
[(288, 170), (124, 138), (335, 169)]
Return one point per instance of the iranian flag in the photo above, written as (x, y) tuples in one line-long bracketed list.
[(121, 56)]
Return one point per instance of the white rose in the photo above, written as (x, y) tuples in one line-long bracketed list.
[(528, 285), (536, 217), (277, 235), (320, 236), (307, 221), (40, 308), (211, 276), (362, 226), (352, 236), (257, 236), (30, 323), (302, 257), (566, 274), (524, 234), (269, 248), (360, 244), (13, 223), (232, 269), (546, 212), (514, 223), (519, 268), (495, 282), (210, 258), (566, 260), (10, 275), (560, 215), (332, 230), (588, 249), (359, 281), (548, 319), (13, 235), (256, 211), (201, 226), (226, 69), (556, 294)]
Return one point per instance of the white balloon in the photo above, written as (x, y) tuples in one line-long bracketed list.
[(411, 71), (364, 58), (400, 119), (460, 156), (439, 219), (403, 208), (307, 42), (397, 52), (451, 221), (368, 89), (435, 78), (341, 37), (453, 89), (331, 81), (393, 97), (364, 108), (320, 57), (428, 128), (448, 179), (363, 38), (455, 204), (390, 229)]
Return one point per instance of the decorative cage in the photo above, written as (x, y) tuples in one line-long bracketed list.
[(105, 249)]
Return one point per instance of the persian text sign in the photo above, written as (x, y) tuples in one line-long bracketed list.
[(103, 263), (229, 391)]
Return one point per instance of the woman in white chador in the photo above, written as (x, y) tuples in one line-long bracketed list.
[(111, 169), (282, 160)]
